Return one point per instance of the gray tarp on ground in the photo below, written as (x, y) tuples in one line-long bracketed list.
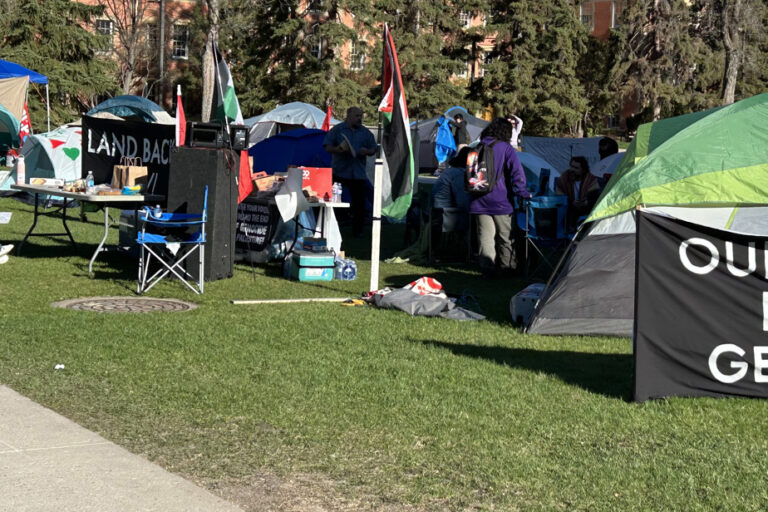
[(424, 305), (594, 292)]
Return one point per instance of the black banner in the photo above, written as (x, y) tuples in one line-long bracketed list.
[(106, 141), (256, 223), (701, 311)]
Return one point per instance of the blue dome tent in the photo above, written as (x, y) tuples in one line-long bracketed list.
[(301, 147), (130, 106)]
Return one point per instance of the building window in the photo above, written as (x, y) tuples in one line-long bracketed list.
[(356, 57), (487, 59), (587, 14), (616, 9), (153, 35), (106, 28), (315, 46), (180, 42), (464, 71), (465, 19)]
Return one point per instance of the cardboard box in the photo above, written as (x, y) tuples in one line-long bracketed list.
[(312, 266)]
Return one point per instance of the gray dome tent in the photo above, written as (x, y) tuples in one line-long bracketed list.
[(428, 132)]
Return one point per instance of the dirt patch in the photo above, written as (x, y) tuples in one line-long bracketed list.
[(298, 493)]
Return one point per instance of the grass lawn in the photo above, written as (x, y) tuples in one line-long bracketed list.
[(398, 412)]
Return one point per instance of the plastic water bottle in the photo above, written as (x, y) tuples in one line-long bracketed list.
[(337, 192), (157, 211), (89, 184), (21, 172)]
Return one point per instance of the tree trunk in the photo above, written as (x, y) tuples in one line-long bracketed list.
[(208, 60), (732, 40)]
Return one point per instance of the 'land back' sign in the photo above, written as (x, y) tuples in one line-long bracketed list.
[(701, 311), (106, 141)]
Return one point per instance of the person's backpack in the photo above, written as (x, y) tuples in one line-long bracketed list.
[(480, 174)]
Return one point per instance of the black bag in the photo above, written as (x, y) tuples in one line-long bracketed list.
[(480, 175)]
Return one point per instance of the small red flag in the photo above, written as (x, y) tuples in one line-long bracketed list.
[(244, 182), (181, 120), (327, 121)]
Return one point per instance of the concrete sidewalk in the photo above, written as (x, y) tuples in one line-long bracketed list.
[(49, 463)]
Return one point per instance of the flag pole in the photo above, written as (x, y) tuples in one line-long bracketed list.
[(378, 171)]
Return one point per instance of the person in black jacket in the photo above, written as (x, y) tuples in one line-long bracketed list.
[(459, 130)]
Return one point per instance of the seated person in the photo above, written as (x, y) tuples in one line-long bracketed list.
[(582, 190), (450, 201)]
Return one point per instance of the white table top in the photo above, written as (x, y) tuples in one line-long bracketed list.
[(329, 204), (90, 198)]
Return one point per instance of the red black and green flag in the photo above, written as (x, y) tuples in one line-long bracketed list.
[(399, 170)]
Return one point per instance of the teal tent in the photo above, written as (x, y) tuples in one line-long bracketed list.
[(9, 130)]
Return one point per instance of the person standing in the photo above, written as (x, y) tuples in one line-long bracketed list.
[(517, 128), (459, 131), (494, 212), (350, 144)]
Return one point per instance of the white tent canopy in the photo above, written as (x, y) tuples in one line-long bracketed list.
[(55, 154), (283, 118)]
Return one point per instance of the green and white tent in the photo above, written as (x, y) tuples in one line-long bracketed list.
[(708, 167)]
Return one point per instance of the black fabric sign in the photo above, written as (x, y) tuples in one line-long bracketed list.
[(106, 141), (701, 325), (256, 223)]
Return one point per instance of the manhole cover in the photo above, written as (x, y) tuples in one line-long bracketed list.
[(124, 305)]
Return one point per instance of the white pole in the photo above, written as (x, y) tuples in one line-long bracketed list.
[(376, 232), (48, 107), (290, 301)]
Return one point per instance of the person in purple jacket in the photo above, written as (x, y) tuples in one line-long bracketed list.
[(494, 212)]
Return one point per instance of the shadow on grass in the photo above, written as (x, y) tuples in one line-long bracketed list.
[(604, 374)]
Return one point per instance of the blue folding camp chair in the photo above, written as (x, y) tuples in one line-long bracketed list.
[(545, 230), (160, 232)]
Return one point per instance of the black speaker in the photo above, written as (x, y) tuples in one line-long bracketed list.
[(191, 170)]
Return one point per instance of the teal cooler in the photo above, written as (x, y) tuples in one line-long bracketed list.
[(312, 266)]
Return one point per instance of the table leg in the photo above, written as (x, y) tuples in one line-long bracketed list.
[(64, 221), (37, 214), (100, 247), (31, 228)]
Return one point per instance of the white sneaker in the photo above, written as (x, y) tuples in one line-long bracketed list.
[(3, 259), (5, 249)]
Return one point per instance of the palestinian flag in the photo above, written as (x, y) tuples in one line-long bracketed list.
[(225, 101), (396, 137)]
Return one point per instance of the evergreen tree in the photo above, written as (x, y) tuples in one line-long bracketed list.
[(287, 50), (659, 54), (48, 37), (534, 63), (432, 46)]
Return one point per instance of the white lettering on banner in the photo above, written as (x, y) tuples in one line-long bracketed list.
[(760, 363), (166, 151), (124, 145), (103, 143), (706, 244), (132, 147), (156, 151), (729, 260), (741, 366), (714, 257), (765, 311)]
